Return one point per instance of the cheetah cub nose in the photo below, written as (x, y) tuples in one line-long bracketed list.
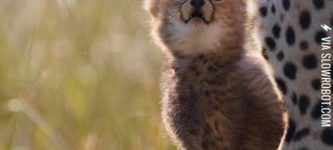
[(197, 4)]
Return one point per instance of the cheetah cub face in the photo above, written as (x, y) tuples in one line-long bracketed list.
[(190, 27)]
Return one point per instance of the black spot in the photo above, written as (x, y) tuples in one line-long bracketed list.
[(319, 4), (201, 56), (194, 69), (319, 35), (294, 98), (290, 36), (303, 148), (303, 45), (286, 4), (310, 61), (316, 112), (290, 70), (270, 42), (301, 134), (280, 55), (304, 103), (212, 68), (305, 19), (332, 20), (276, 31), (273, 9), (263, 11), (316, 83), (204, 145), (282, 85), (291, 130), (327, 136)]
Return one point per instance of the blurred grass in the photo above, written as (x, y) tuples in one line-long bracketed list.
[(78, 75)]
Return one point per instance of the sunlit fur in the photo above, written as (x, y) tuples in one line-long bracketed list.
[(222, 32), (216, 95)]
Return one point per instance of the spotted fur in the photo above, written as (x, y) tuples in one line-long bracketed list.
[(290, 32)]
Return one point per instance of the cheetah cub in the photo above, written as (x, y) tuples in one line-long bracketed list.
[(216, 96)]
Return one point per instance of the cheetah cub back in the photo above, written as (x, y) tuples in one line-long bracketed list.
[(216, 96)]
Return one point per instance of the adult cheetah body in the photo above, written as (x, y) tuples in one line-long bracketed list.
[(290, 33)]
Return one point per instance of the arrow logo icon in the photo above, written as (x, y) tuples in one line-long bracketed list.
[(326, 27)]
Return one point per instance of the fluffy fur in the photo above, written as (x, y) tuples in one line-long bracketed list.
[(215, 95)]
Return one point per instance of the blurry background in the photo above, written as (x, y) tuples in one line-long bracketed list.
[(78, 75)]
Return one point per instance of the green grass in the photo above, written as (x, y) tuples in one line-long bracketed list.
[(78, 75)]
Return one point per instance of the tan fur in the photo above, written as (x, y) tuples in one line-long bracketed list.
[(216, 95)]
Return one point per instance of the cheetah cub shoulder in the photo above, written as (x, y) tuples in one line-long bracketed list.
[(216, 96)]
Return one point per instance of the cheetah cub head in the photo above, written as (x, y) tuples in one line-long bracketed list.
[(192, 27)]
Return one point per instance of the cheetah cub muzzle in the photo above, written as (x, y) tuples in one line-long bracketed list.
[(216, 94)]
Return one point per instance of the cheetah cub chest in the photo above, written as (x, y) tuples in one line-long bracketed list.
[(215, 95)]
